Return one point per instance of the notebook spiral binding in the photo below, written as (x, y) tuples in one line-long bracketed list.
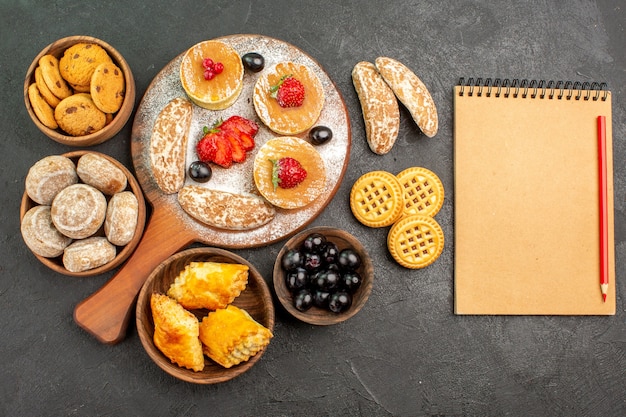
[(533, 89)]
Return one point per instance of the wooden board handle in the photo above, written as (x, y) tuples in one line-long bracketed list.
[(105, 314)]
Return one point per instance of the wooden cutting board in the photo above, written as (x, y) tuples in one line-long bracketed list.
[(106, 313)]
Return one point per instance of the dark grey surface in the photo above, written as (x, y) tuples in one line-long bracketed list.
[(405, 353)]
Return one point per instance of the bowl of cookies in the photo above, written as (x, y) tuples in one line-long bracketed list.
[(205, 315), (82, 213), (323, 276), (79, 91)]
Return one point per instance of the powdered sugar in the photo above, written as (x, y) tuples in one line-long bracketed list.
[(239, 177)]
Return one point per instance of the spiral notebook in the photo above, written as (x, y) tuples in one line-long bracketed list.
[(527, 198)]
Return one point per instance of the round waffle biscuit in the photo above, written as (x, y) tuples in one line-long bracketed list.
[(423, 191), (376, 199), (415, 241)]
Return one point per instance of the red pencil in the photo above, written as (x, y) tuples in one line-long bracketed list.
[(604, 228)]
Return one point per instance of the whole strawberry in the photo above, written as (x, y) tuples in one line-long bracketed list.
[(289, 92), (287, 172)]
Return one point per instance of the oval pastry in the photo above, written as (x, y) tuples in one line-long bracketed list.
[(221, 91), (288, 120), (305, 192), (412, 92), (379, 106), (225, 210), (168, 144)]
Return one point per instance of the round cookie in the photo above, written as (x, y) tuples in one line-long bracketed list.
[(221, 91), (40, 235), (43, 110), (78, 115), (415, 241), (49, 65), (78, 211), (45, 92), (79, 62), (101, 173), (121, 218), (305, 192), (290, 120), (107, 87), (376, 199), (48, 176), (423, 191)]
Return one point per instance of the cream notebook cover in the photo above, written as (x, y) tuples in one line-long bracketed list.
[(526, 198)]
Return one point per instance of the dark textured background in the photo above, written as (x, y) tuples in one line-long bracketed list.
[(405, 353)]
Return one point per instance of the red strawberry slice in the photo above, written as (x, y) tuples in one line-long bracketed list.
[(237, 148), (206, 148), (247, 141), (242, 124), (243, 128), (215, 147), (224, 156)]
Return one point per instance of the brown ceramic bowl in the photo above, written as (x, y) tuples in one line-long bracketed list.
[(256, 299), (56, 264), (323, 316), (120, 118)]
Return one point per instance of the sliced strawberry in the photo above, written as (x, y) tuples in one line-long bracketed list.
[(224, 155), (227, 141), (247, 141), (207, 148), (238, 151), (215, 147), (241, 124)]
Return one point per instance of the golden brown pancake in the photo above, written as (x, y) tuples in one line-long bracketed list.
[(219, 92)]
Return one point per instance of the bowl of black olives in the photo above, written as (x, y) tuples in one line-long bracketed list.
[(323, 276)]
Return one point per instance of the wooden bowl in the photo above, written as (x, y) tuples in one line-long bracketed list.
[(256, 299), (321, 316), (120, 118), (56, 264)]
